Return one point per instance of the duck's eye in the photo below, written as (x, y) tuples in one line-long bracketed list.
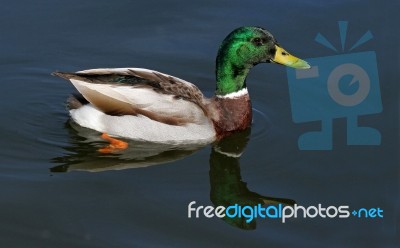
[(257, 41)]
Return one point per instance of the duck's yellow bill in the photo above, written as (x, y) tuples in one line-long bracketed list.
[(285, 58)]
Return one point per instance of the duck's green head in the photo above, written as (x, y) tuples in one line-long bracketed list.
[(244, 48)]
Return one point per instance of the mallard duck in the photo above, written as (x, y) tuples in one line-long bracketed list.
[(148, 105)]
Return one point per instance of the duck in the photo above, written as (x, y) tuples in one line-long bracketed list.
[(147, 105)]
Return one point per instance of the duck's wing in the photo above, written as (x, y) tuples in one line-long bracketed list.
[(133, 91)]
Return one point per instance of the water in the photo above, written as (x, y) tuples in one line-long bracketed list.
[(139, 198)]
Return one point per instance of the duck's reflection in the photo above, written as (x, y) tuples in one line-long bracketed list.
[(83, 155), (227, 187)]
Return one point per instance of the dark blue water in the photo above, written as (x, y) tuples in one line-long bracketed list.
[(58, 191)]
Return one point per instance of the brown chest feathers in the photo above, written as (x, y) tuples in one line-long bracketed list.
[(231, 114)]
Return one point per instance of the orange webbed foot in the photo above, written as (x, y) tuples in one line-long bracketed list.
[(114, 146)]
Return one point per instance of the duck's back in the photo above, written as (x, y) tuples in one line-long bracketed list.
[(141, 104)]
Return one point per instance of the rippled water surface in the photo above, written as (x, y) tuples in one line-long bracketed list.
[(57, 190)]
